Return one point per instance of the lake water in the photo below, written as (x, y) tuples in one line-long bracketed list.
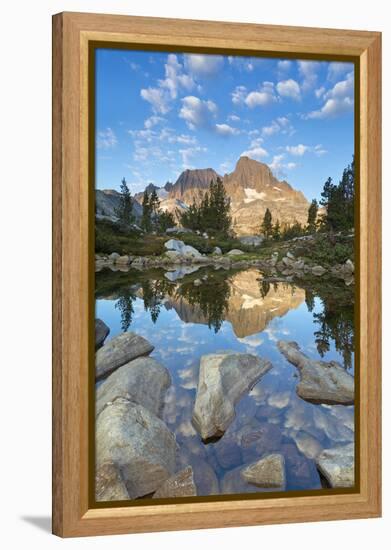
[(241, 312)]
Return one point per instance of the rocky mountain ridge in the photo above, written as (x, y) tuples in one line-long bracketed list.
[(251, 186)]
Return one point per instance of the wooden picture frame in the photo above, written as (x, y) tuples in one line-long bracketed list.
[(72, 214)]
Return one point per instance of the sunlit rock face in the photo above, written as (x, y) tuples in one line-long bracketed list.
[(251, 188), (247, 310)]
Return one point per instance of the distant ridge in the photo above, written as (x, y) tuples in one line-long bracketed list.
[(251, 186)]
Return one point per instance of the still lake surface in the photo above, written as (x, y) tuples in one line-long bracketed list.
[(238, 311)]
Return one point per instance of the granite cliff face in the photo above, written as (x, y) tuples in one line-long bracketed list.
[(251, 187), (192, 184)]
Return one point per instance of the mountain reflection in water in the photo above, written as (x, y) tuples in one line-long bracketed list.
[(244, 299), (207, 311)]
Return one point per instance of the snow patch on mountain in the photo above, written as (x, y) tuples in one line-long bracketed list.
[(253, 195)]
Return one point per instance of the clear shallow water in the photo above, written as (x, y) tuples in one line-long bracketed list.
[(236, 311)]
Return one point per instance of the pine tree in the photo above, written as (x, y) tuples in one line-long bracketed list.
[(146, 223), (212, 214), (276, 233), (125, 207), (165, 220), (312, 216), (154, 206), (338, 201), (267, 226), (220, 206)]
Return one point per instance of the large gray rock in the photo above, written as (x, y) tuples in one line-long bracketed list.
[(109, 484), (182, 249), (180, 484), (235, 252), (217, 250), (118, 351), (337, 465), (223, 379), (251, 240), (190, 252), (101, 332), (174, 244), (138, 443), (143, 381), (320, 381), (269, 472)]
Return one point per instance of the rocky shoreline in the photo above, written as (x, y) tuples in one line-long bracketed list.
[(284, 266), (138, 456)]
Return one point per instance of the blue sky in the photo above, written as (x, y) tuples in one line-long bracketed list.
[(160, 113)]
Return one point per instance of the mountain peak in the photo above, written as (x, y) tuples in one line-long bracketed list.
[(192, 182)]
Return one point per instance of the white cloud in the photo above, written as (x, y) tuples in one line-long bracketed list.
[(152, 121), (176, 78), (278, 166), (225, 166), (297, 150), (279, 125), (234, 118), (157, 98), (243, 63), (256, 153), (338, 68), (106, 139), (320, 92), (254, 99), (284, 65), (300, 149), (226, 130), (167, 89), (239, 95), (338, 100), (308, 71), (263, 97), (204, 65), (319, 150), (188, 154), (289, 88), (196, 112)]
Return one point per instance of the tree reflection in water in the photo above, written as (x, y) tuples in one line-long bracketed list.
[(334, 322)]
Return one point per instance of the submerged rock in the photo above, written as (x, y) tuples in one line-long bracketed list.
[(101, 333), (180, 484), (318, 270), (224, 378), (307, 444), (118, 351), (181, 272), (113, 257), (337, 465), (143, 381), (138, 443), (109, 483), (320, 381), (269, 472)]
